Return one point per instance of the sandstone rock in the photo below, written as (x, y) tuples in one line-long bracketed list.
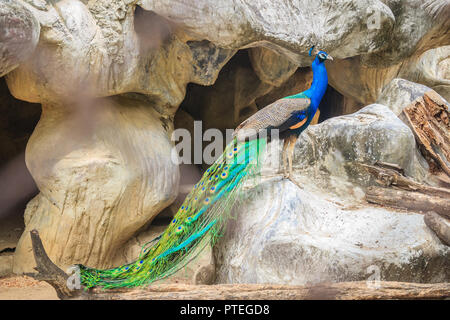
[(367, 84), (104, 169), (271, 67), (19, 36), (289, 28), (431, 69), (111, 55), (363, 83), (104, 172), (417, 29), (219, 109)]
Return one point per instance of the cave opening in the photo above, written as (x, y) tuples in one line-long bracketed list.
[(17, 122)]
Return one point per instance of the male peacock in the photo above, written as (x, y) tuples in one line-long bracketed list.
[(208, 206)]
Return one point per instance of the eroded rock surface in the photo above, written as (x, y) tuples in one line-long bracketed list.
[(322, 229), (399, 93), (431, 69), (103, 172), (283, 234)]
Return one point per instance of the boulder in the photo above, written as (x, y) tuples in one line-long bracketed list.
[(342, 27), (363, 83), (320, 228), (399, 93), (336, 147), (103, 168), (113, 50), (286, 235), (431, 69)]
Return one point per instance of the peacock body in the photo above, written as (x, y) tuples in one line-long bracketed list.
[(208, 206)]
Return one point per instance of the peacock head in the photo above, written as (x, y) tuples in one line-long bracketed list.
[(321, 56)]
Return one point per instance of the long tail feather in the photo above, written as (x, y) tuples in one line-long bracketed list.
[(204, 212)]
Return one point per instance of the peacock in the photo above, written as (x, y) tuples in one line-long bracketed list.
[(208, 206)]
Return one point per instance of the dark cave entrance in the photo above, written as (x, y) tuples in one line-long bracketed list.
[(17, 121)]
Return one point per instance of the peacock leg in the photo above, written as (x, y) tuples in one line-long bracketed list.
[(292, 141), (284, 154), (288, 150)]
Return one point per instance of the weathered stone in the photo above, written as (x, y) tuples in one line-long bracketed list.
[(362, 83), (431, 69), (19, 35), (286, 27), (270, 66), (286, 235), (103, 172), (301, 80), (399, 93)]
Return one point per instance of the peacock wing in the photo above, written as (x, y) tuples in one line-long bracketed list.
[(275, 115)]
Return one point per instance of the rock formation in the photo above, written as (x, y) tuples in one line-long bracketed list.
[(111, 77)]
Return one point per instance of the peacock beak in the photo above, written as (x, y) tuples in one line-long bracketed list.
[(330, 58)]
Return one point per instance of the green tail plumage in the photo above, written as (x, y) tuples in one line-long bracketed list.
[(204, 212)]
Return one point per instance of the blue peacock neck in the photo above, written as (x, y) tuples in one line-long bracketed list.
[(319, 84)]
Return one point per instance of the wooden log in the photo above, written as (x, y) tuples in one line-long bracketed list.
[(439, 225), (411, 195), (47, 270), (356, 290), (387, 175), (429, 119), (401, 199), (50, 273)]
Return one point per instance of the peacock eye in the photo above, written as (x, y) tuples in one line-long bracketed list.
[(322, 56)]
